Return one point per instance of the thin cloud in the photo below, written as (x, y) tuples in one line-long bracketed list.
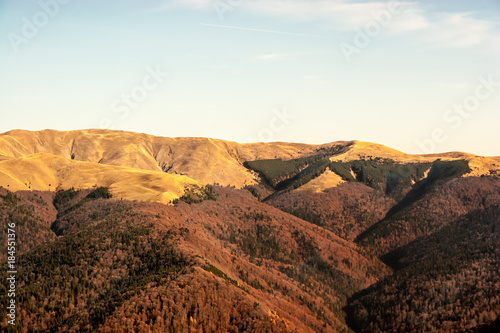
[(411, 18), (460, 30), (440, 29), (342, 15)]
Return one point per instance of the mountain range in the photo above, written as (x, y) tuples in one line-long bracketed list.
[(120, 231)]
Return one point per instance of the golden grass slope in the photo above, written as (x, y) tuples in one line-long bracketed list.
[(366, 150), (205, 160), (327, 179), (47, 172)]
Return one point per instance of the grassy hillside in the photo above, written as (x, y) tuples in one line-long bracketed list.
[(205, 160), (210, 161), (46, 172)]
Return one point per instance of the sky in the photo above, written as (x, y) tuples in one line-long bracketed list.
[(418, 76)]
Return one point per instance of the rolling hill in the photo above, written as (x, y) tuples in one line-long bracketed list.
[(45, 172), (120, 231), (206, 161)]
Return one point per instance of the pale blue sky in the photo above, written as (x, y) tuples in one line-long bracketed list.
[(227, 83)]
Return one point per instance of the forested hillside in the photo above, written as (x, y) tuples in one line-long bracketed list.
[(126, 232), (445, 282), (123, 264)]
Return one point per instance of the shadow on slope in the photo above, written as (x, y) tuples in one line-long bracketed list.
[(447, 281)]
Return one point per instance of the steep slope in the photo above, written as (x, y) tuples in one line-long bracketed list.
[(32, 214), (227, 264), (368, 190), (347, 209), (447, 281), (44, 172), (443, 247), (326, 180), (438, 206)]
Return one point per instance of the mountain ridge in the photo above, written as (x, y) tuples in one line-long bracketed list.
[(205, 160)]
